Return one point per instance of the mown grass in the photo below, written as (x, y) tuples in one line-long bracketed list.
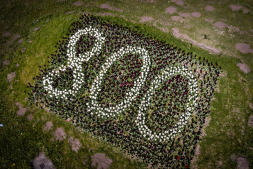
[(218, 144), (25, 139)]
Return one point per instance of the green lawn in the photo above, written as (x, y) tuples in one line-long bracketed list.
[(22, 140)]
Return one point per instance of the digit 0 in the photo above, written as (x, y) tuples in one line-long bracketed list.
[(113, 111), (146, 101)]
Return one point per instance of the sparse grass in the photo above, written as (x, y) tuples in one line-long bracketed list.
[(18, 18)]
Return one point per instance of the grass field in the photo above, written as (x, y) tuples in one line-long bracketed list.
[(22, 43)]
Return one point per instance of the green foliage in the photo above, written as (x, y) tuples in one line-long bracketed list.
[(49, 16)]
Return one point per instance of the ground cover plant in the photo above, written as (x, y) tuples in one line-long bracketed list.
[(143, 95)]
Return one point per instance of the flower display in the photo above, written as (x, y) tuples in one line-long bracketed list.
[(193, 98), (138, 93), (74, 62), (112, 111)]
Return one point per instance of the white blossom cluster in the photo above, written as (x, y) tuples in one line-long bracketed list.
[(74, 62), (130, 96), (193, 97)]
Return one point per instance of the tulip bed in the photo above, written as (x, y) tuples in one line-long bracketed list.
[(140, 94)]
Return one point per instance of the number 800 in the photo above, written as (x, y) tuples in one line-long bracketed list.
[(75, 62)]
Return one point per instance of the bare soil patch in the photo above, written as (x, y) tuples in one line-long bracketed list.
[(235, 7), (149, 1), (242, 163), (19, 105), (219, 164), (245, 10), (20, 40), (178, 2), (233, 157), (13, 38), (223, 74), (220, 25), (6, 62), (237, 29), (196, 14), (187, 26), (60, 134), (105, 14), (29, 117), (78, 3), (42, 161), (244, 48), (207, 121), (250, 106), (186, 15), (36, 29), (250, 122), (23, 50), (197, 151), (100, 160), (16, 36), (146, 19), (211, 49), (209, 8), (11, 76), (48, 126), (177, 18), (176, 33), (194, 160), (75, 144), (107, 6), (210, 20), (21, 110), (163, 29), (243, 67), (171, 10), (69, 12), (6, 34)]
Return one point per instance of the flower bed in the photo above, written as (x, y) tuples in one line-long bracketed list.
[(146, 97)]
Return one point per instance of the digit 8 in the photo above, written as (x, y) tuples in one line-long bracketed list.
[(74, 62)]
